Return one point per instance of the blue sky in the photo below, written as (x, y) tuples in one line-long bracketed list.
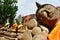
[(26, 7)]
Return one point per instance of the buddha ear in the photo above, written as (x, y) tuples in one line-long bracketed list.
[(38, 5)]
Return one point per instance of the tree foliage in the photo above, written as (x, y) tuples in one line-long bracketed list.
[(19, 19), (8, 9)]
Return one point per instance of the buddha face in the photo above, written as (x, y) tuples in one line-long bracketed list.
[(47, 10), (47, 15)]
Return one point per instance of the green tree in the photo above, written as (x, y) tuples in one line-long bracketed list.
[(8, 9), (19, 19)]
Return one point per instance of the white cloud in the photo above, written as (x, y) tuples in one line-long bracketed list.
[(19, 4), (56, 0), (21, 1)]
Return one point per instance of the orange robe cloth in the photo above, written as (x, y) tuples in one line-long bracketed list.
[(55, 33), (15, 25)]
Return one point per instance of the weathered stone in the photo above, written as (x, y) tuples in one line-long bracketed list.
[(44, 29), (27, 36), (32, 23), (20, 36), (36, 30), (40, 33), (36, 37), (2, 38), (39, 37)]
